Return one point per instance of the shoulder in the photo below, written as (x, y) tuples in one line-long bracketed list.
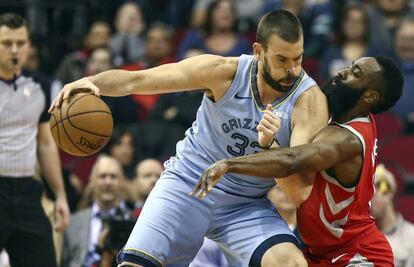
[(312, 101), (213, 65), (217, 61), (314, 93), (337, 135)]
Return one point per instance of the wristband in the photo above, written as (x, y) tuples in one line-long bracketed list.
[(267, 147)]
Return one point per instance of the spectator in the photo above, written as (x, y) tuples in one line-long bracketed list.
[(147, 173), (174, 13), (386, 15), (81, 238), (399, 232), (25, 231), (352, 42), (247, 10), (404, 48), (73, 65), (219, 34), (127, 43), (122, 146)]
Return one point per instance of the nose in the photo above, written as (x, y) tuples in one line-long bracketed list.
[(14, 48), (342, 74), (290, 68)]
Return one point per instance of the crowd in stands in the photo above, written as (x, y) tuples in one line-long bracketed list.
[(73, 39)]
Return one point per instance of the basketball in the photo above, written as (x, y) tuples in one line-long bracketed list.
[(82, 125)]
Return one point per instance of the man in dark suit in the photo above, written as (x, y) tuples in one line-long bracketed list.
[(81, 238)]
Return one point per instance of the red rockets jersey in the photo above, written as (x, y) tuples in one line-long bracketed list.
[(333, 215)]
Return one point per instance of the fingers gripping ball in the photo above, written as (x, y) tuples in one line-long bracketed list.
[(82, 125)]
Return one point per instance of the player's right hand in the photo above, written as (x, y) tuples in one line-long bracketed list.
[(81, 85), (268, 126), (210, 177)]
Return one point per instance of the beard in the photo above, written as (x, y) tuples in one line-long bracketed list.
[(276, 84), (341, 97)]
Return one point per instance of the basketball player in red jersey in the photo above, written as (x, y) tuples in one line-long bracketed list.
[(333, 220)]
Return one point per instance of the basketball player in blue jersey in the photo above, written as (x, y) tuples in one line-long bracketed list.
[(236, 213)]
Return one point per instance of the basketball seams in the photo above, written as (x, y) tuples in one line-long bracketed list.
[(83, 130), (58, 133), (64, 129), (76, 100), (82, 113)]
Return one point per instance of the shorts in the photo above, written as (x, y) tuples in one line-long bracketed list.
[(371, 250), (171, 228)]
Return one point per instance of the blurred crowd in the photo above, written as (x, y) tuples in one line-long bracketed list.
[(73, 39)]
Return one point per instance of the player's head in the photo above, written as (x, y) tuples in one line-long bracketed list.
[(107, 180), (374, 84), (279, 48), (147, 174), (14, 42)]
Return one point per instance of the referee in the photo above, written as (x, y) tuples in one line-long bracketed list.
[(25, 231)]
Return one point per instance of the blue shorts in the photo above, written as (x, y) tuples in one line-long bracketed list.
[(171, 227)]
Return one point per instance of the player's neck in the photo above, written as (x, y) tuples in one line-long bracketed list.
[(352, 114), (267, 94)]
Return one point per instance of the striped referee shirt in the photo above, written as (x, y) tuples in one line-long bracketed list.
[(24, 103)]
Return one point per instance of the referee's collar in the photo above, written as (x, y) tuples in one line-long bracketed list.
[(12, 80)]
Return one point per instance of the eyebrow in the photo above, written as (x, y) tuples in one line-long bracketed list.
[(283, 57)]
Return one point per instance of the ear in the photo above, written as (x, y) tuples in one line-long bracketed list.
[(257, 49), (372, 97)]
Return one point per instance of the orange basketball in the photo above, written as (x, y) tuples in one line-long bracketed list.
[(82, 125)]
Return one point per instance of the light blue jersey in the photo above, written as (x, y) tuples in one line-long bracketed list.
[(227, 129), (236, 213)]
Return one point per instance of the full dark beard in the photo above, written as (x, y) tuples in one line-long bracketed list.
[(341, 97), (275, 84)]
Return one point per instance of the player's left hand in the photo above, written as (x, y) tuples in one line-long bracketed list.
[(61, 214), (268, 127), (209, 178)]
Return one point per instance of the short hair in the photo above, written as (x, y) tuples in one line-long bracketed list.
[(116, 137), (12, 20), (390, 84), (169, 31), (281, 22)]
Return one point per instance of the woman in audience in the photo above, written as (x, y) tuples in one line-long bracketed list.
[(219, 35), (352, 42)]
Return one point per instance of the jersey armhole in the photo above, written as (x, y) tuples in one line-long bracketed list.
[(243, 59), (331, 172)]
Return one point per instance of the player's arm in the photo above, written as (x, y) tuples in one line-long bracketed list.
[(310, 114), (50, 164), (210, 72), (331, 146)]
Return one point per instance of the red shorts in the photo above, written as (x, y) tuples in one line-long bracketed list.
[(371, 250)]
